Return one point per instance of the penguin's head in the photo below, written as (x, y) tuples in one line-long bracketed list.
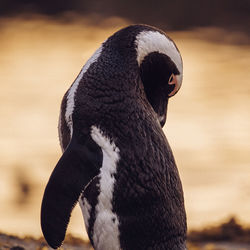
[(160, 66)]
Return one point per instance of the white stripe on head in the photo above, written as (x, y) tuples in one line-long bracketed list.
[(153, 41), (106, 231), (72, 91)]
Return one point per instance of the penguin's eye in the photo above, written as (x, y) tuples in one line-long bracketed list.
[(171, 78)]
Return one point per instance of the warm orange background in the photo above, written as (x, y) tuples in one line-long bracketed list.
[(208, 120)]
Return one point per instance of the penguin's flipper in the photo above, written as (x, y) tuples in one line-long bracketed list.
[(79, 164)]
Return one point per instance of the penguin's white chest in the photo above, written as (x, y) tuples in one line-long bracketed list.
[(106, 225)]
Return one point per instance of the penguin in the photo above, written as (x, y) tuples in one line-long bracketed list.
[(116, 162)]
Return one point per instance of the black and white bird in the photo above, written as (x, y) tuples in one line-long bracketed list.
[(116, 160)]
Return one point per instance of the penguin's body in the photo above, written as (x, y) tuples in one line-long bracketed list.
[(116, 160)]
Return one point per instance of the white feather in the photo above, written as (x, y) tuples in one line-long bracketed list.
[(106, 232), (60, 131), (86, 208), (71, 94)]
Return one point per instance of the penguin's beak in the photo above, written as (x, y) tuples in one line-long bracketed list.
[(162, 120), (161, 111), (174, 81)]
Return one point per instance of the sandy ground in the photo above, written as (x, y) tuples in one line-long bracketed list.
[(218, 246), (29, 243)]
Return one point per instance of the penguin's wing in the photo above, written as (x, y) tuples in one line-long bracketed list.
[(79, 164)]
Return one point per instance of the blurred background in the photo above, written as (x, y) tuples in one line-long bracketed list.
[(44, 44)]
